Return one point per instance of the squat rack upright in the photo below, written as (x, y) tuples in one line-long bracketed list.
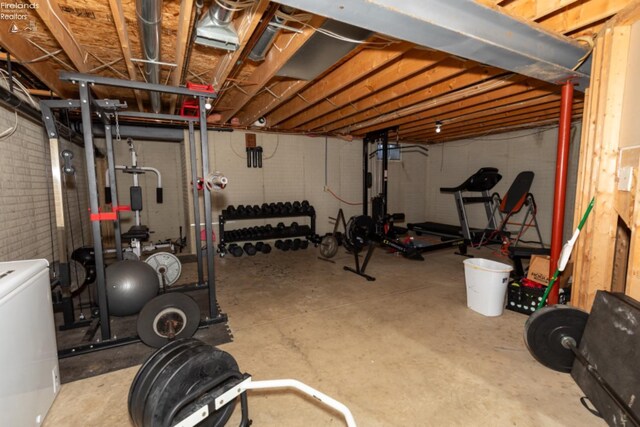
[(105, 109)]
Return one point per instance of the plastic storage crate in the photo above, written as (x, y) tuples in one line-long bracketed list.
[(525, 299)]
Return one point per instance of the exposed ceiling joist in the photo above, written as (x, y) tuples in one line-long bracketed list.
[(270, 99), (182, 42), (465, 29), (275, 59), (575, 18), (23, 51), (123, 37), (357, 67)]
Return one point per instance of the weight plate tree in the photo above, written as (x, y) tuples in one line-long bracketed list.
[(168, 267), (178, 380), (166, 317), (550, 334)]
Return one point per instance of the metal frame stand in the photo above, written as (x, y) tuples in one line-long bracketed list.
[(359, 270), (104, 109)]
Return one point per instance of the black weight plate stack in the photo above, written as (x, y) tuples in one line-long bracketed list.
[(149, 372), (185, 373), (544, 333), (173, 308)]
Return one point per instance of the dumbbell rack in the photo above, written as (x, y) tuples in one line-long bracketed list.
[(286, 233)]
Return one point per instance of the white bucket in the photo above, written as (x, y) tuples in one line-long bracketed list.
[(486, 285)]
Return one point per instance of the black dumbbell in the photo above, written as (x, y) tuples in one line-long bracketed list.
[(280, 227), (266, 248), (296, 244), (241, 211), (235, 250), (294, 228), (296, 206), (279, 244), (286, 245), (230, 211), (304, 206), (265, 209), (259, 246), (288, 208), (249, 249), (304, 244)]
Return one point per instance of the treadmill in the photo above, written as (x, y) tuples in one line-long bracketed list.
[(480, 182)]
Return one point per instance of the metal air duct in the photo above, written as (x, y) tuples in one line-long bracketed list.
[(149, 14), (215, 29), (266, 39)]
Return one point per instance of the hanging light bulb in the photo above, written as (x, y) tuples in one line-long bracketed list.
[(438, 126), (207, 104)]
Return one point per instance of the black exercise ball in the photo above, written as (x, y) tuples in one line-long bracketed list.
[(130, 285)]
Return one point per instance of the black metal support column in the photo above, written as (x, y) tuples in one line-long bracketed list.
[(211, 274), (85, 107), (365, 176), (196, 202), (384, 135), (111, 163)]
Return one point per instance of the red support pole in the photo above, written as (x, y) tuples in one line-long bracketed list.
[(562, 165)]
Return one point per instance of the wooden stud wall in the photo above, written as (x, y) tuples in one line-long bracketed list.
[(599, 166)]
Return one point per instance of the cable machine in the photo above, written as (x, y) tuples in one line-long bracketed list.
[(106, 110)]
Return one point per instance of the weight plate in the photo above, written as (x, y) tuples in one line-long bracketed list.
[(167, 265), (166, 315), (544, 333), (149, 372), (329, 246), (187, 373)]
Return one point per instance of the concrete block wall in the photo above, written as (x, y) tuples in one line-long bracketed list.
[(295, 167), (27, 218), (415, 181), (164, 219)]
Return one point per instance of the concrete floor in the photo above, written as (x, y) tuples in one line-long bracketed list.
[(401, 351)]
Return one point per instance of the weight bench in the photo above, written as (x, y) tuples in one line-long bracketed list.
[(137, 232)]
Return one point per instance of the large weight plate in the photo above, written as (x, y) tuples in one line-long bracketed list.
[(187, 372), (167, 265), (329, 246), (175, 309), (149, 373), (545, 329)]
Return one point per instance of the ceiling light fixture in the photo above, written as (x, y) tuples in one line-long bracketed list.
[(438, 126)]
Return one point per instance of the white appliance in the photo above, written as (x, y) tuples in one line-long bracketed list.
[(29, 377)]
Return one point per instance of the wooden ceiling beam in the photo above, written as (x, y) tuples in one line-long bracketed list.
[(414, 95), (409, 64), (535, 9), (53, 19), (505, 107), (24, 52), (123, 36), (495, 128), (362, 64), (407, 92), (275, 59), (270, 99), (517, 85), (248, 25), (182, 41), (581, 14), (486, 117)]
